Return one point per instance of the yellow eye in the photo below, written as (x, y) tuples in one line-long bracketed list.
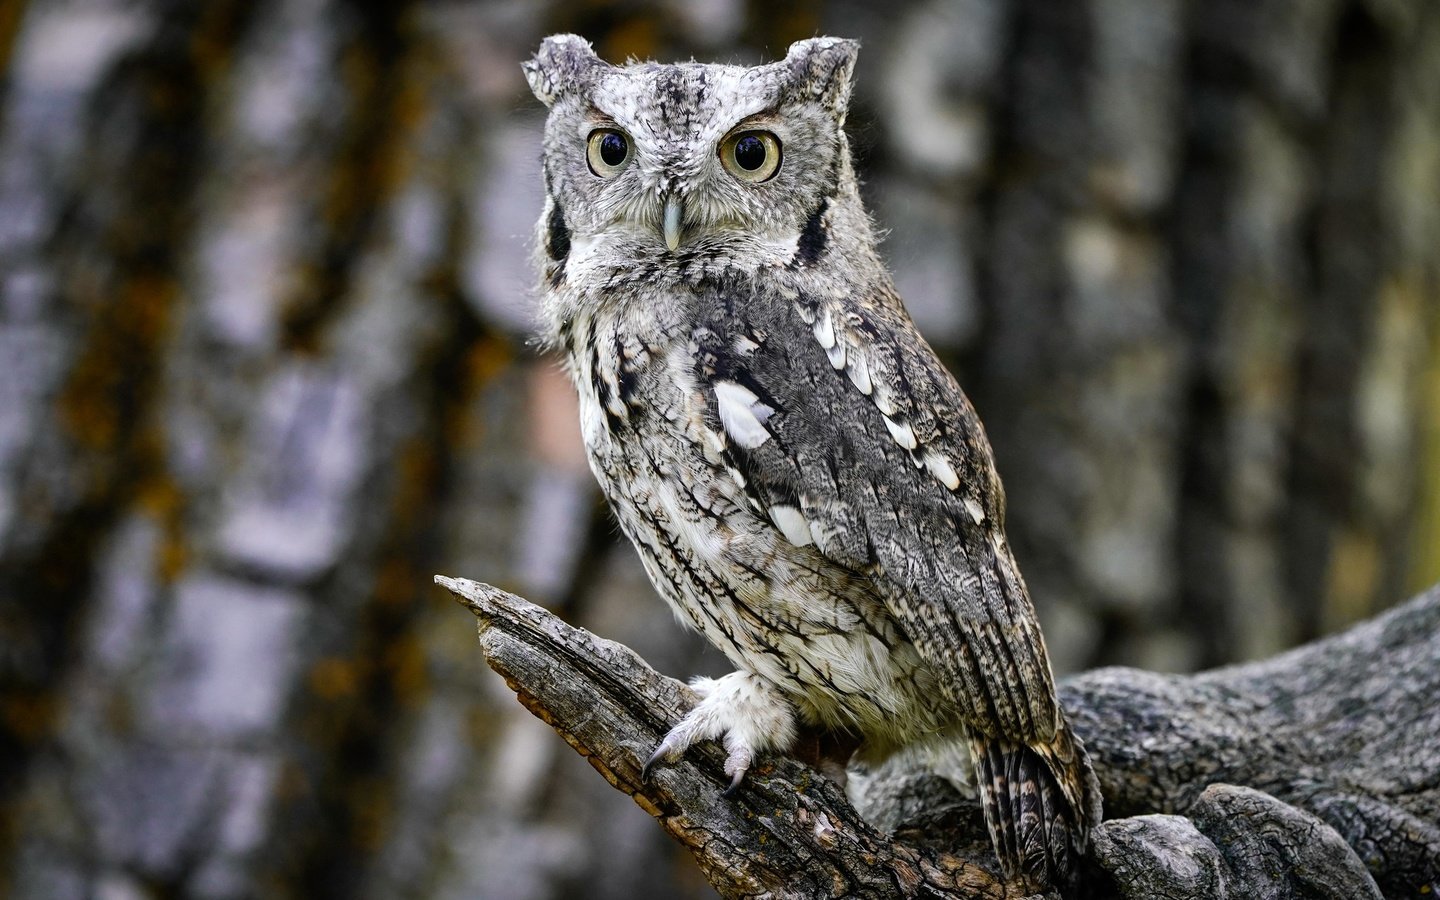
[(752, 156), (608, 151)]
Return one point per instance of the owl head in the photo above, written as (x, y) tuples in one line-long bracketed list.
[(672, 159)]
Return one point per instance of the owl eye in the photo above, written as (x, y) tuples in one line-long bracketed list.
[(752, 156), (608, 151)]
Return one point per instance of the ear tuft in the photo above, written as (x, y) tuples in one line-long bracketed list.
[(559, 65), (821, 69)]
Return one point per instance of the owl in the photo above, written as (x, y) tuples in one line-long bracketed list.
[(804, 482)]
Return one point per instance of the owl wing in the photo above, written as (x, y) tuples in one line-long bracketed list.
[(848, 433)]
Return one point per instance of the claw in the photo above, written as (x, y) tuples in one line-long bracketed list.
[(662, 753), (657, 756), (735, 781), (736, 764)]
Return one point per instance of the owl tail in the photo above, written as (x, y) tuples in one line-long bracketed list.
[(1040, 803)]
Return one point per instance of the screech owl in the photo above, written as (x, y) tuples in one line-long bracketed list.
[(804, 481)]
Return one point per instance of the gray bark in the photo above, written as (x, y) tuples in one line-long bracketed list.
[(1313, 774)]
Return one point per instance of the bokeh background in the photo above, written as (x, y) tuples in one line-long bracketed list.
[(264, 301)]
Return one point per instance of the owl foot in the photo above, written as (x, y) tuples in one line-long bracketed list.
[(740, 710)]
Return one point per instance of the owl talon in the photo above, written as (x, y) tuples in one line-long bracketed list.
[(674, 744), (737, 763), (650, 763), (739, 710), (735, 781)]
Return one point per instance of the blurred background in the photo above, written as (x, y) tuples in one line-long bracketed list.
[(264, 303)]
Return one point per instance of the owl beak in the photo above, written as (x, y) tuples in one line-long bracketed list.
[(674, 215)]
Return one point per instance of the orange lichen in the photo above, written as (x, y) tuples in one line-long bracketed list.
[(334, 678), (161, 497), (404, 660), (117, 359), (395, 582), (10, 16), (370, 805), (172, 556), (486, 359), (30, 715)]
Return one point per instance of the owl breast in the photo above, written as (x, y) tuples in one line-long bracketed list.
[(746, 577)]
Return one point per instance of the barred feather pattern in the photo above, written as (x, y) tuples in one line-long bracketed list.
[(803, 480)]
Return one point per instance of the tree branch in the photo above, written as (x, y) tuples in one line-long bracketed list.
[(1315, 773)]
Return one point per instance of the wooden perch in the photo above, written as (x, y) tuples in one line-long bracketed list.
[(1313, 774)]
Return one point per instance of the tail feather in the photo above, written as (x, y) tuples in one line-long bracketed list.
[(998, 799), (1040, 802)]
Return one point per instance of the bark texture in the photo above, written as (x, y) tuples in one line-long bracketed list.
[(264, 298), (1314, 774)]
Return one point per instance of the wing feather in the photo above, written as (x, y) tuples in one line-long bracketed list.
[(855, 462)]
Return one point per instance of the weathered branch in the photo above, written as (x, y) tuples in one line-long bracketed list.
[(1344, 730), (1316, 773), (788, 832)]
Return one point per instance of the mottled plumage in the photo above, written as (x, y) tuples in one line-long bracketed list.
[(804, 481)]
